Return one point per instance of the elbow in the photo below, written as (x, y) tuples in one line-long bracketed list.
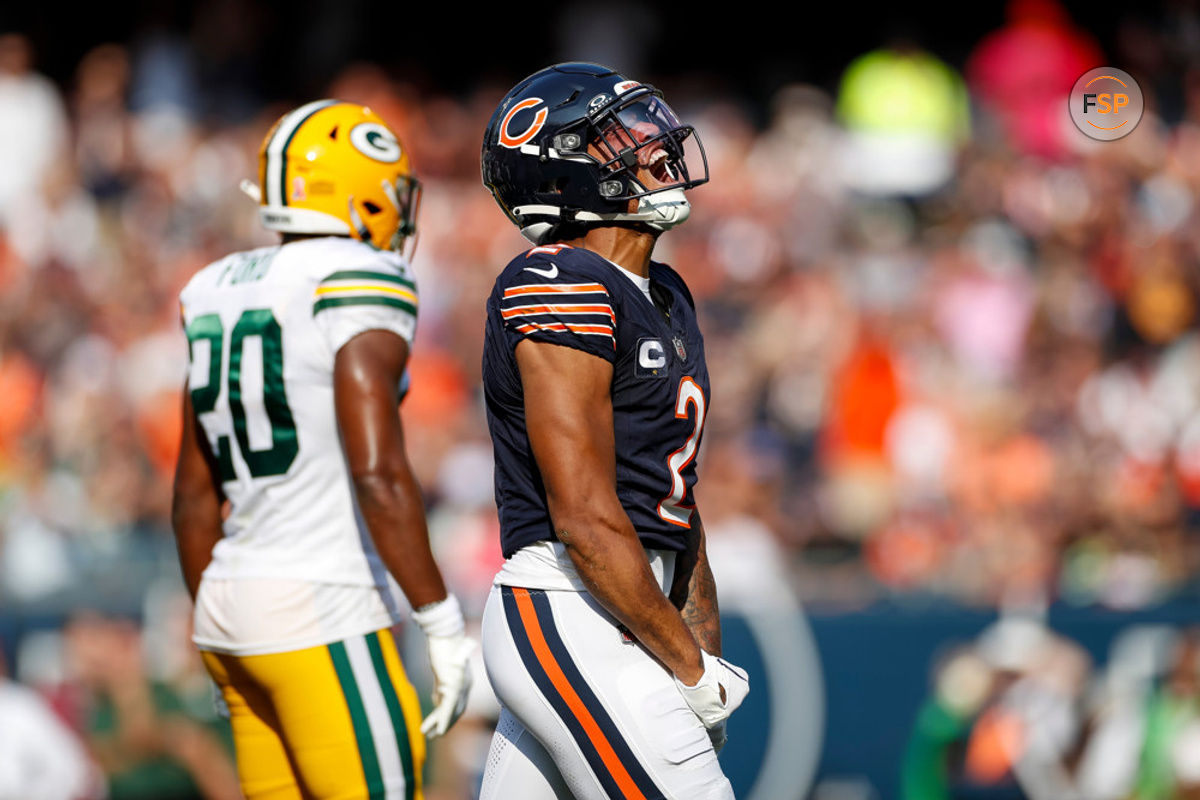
[(373, 487), (385, 489), (583, 523), (568, 516), (581, 501)]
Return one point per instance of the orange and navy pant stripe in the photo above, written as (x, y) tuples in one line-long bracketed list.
[(531, 622)]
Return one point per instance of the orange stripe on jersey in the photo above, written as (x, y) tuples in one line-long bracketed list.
[(546, 658), (560, 288), (522, 311), (560, 327)]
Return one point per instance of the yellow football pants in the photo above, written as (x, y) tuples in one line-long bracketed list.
[(334, 722)]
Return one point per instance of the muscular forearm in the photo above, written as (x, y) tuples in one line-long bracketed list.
[(695, 591), (569, 414), (700, 612), (392, 509), (612, 564)]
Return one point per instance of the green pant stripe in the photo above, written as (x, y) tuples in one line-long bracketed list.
[(363, 300), (371, 275), (358, 717), (396, 712)]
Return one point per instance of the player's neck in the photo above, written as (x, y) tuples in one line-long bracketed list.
[(288, 238), (627, 247)]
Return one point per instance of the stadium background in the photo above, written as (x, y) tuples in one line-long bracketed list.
[(954, 348)]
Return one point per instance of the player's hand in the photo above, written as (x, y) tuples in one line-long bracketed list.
[(449, 657), (718, 693)]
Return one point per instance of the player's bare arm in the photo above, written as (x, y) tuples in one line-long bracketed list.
[(196, 500), (569, 417), (366, 380), (694, 591)]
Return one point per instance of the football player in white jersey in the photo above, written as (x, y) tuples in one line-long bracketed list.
[(295, 509)]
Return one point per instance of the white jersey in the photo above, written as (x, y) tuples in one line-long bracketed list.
[(263, 328)]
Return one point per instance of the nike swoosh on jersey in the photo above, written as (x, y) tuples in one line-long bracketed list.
[(545, 273)]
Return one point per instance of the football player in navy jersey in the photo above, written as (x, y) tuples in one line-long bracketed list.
[(601, 635)]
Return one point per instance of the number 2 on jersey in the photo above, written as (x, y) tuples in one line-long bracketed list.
[(671, 507), (260, 323)]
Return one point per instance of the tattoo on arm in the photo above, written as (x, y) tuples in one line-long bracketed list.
[(694, 592), (700, 612)]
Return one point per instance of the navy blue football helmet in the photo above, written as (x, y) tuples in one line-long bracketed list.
[(570, 146)]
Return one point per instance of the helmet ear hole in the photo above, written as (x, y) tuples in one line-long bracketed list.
[(371, 208), (333, 133)]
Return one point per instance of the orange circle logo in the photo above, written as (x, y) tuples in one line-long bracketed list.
[(512, 141), (1106, 103)]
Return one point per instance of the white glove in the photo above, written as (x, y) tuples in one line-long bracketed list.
[(449, 656), (705, 697)]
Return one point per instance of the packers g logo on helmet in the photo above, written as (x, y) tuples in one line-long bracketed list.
[(336, 168), (375, 141)]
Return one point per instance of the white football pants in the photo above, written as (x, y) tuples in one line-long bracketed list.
[(588, 713)]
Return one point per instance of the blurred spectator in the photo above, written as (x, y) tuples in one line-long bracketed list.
[(1022, 707), (962, 685), (41, 758), (1170, 766), (34, 134), (906, 114), (1005, 712), (102, 140), (1023, 72), (149, 743)]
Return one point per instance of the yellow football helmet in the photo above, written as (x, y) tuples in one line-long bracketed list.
[(336, 168)]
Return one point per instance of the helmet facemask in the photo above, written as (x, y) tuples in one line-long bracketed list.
[(405, 195), (642, 148), (641, 152)]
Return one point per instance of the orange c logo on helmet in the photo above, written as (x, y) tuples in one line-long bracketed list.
[(539, 119)]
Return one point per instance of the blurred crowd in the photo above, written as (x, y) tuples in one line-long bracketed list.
[(112, 707), (1023, 711), (954, 343)]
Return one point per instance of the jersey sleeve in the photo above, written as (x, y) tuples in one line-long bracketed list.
[(550, 299), (378, 296)]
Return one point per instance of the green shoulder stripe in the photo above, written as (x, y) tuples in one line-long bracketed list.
[(364, 300), (366, 274)]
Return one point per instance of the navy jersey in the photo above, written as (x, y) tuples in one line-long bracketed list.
[(576, 298)]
